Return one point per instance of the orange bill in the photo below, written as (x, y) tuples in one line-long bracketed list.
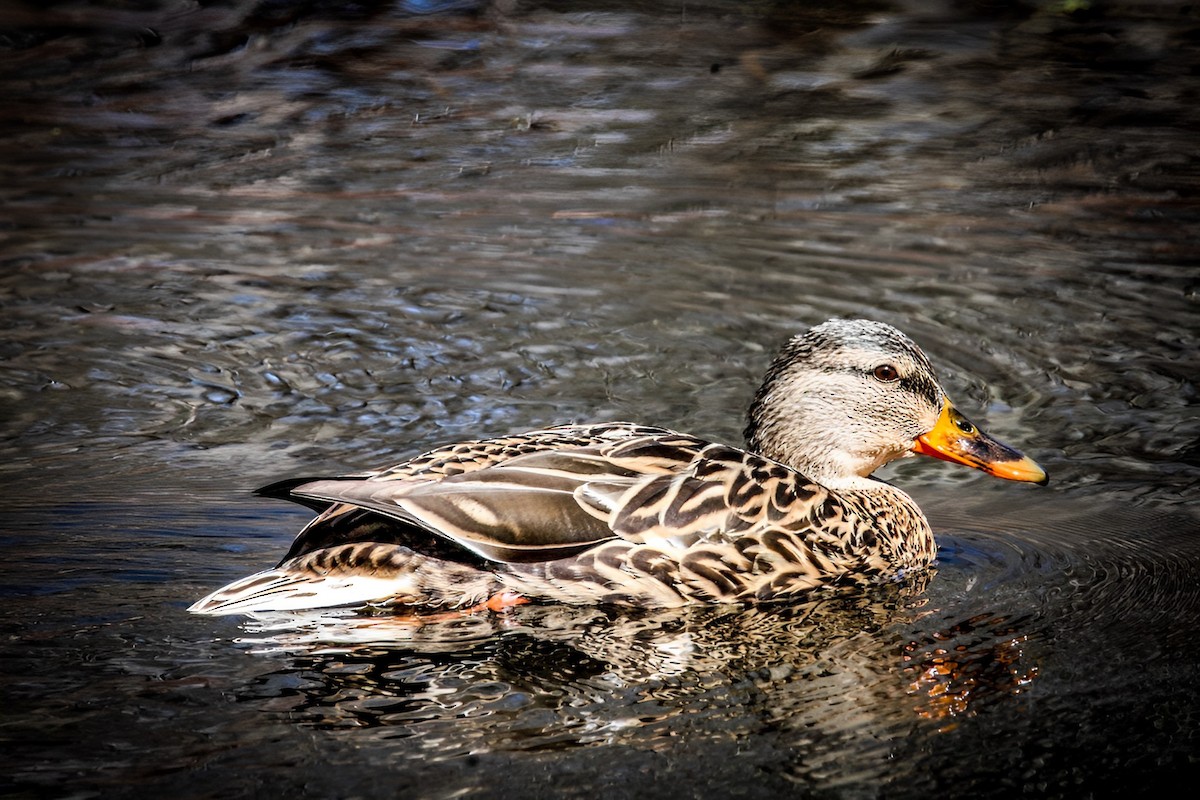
[(955, 438)]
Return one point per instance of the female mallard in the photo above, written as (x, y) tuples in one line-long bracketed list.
[(621, 513)]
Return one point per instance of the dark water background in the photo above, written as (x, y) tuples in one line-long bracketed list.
[(248, 240)]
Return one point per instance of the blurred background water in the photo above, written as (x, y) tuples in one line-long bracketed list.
[(248, 240)]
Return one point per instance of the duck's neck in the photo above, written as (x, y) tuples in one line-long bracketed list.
[(784, 432)]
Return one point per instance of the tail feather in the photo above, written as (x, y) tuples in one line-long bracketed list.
[(282, 490), (281, 590)]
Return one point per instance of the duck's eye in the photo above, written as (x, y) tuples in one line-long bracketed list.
[(886, 373)]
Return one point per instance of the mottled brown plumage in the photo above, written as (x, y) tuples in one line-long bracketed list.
[(623, 513)]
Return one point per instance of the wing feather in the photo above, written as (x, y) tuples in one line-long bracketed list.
[(636, 484), (500, 520)]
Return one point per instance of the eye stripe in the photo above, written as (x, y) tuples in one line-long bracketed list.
[(922, 387), (917, 384)]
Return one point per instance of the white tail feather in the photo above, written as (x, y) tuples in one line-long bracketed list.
[(278, 590)]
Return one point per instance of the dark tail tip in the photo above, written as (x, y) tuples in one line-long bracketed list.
[(282, 490)]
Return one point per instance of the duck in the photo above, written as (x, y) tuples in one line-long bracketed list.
[(628, 514)]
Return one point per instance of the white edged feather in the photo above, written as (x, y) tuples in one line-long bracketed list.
[(278, 590)]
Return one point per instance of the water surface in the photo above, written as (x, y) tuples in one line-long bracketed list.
[(246, 241)]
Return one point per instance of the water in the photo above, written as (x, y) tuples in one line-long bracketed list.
[(248, 241)]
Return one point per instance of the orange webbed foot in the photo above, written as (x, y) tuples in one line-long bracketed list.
[(498, 602)]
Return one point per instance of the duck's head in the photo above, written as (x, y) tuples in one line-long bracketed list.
[(848, 396)]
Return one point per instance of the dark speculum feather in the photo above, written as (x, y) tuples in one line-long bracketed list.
[(361, 525)]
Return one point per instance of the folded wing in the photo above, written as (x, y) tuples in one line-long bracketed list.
[(556, 503)]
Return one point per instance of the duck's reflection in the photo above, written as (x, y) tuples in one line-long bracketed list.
[(955, 671), (840, 674)]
